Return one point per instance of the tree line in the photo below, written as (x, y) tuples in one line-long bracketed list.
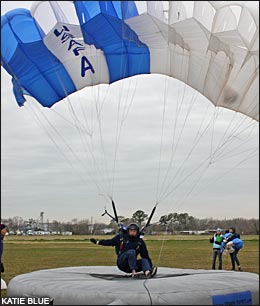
[(173, 223)]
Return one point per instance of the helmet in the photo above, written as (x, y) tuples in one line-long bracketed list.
[(133, 226)]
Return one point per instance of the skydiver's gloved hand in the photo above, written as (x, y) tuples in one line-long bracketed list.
[(93, 240), (141, 234)]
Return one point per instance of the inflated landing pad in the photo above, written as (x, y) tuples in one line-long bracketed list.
[(108, 286)]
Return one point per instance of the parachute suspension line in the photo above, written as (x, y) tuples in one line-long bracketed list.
[(85, 143), (126, 108), (166, 194), (119, 126), (217, 110), (83, 111), (103, 174), (196, 141), (216, 113), (213, 153), (198, 137), (67, 120), (162, 245), (202, 173), (248, 157), (51, 125), (40, 123), (161, 143), (237, 153), (221, 176), (87, 147), (111, 180), (193, 186), (76, 121), (210, 162), (234, 134), (192, 101), (143, 230), (185, 178), (241, 153), (117, 139), (81, 130), (98, 106), (103, 151), (83, 136), (166, 88), (90, 147), (173, 136), (221, 142), (174, 148)]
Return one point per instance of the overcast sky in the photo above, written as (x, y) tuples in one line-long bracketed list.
[(213, 168)]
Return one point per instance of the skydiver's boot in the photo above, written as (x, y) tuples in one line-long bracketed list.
[(148, 273), (154, 271), (134, 274)]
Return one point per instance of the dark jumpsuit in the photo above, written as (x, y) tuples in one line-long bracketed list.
[(127, 249)]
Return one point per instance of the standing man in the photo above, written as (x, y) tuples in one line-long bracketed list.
[(217, 248)]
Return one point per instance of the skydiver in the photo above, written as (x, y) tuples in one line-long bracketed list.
[(128, 245)]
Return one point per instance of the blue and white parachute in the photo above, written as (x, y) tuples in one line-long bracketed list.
[(59, 47)]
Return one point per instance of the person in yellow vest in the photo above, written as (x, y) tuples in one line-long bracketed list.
[(217, 239)]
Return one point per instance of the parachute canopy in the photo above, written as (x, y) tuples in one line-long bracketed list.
[(213, 46)]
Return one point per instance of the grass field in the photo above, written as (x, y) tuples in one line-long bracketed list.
[(23, 254)]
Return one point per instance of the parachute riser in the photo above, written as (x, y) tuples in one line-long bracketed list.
[(106, 213), (121, 227), (148, 223)]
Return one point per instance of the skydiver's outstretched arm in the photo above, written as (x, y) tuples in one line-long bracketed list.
[(107, 242)]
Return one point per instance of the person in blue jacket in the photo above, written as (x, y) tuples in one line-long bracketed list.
[(217, 240), (128, 245), (237, 244), (3, 232)]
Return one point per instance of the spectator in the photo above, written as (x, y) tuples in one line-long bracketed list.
[(217, 239), (236, 243), (3, 232)]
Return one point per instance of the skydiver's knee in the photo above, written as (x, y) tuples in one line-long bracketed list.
[(131, 253)]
